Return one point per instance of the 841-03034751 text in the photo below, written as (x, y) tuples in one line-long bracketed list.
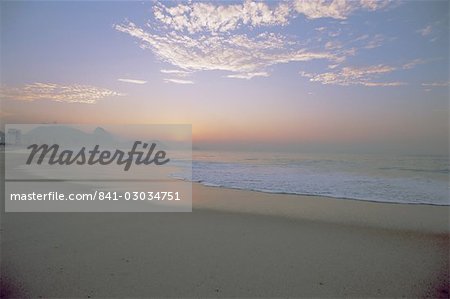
[(99, 196)]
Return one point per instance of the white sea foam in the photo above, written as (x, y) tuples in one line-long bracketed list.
[(419, 179)]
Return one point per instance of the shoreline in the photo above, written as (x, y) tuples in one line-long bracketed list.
[(318, 195), (412, 217)]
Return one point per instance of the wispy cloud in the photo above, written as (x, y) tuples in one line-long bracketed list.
[(178, 81), (199, 17), (176, 72), (178, 76), (134, 81), (413, 64), (56, 92), (425, 31), (196, 17), (375, 42), (437, 84), (248, 75), (383, 84), (239, 53), (195, 37), (354, 76), (336, 9)]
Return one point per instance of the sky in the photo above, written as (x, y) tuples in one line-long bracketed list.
[(304, 75)]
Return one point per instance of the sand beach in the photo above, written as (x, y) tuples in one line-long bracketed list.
[(234, 244)]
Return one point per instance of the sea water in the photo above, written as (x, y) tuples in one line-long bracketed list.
[(395, 179)]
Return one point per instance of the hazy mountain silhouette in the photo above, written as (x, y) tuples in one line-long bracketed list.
[(101, 136), (65, 135)]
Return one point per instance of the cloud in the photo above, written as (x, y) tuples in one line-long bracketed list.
[(176, 72), (375, 42), (178, 76), (238, 53), (197, 17), (354, 76), (330, 45), (377, 84), (59, 93), (364, 76), (201, 36), (336, 9), (202, 16), (413, 63), (134, 81), (437, 84), (425, 31), (248, 75), (178, 81)]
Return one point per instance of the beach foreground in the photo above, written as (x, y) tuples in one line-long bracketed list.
[(234, 244)]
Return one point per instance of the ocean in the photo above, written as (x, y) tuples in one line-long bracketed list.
[(394, 179)]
